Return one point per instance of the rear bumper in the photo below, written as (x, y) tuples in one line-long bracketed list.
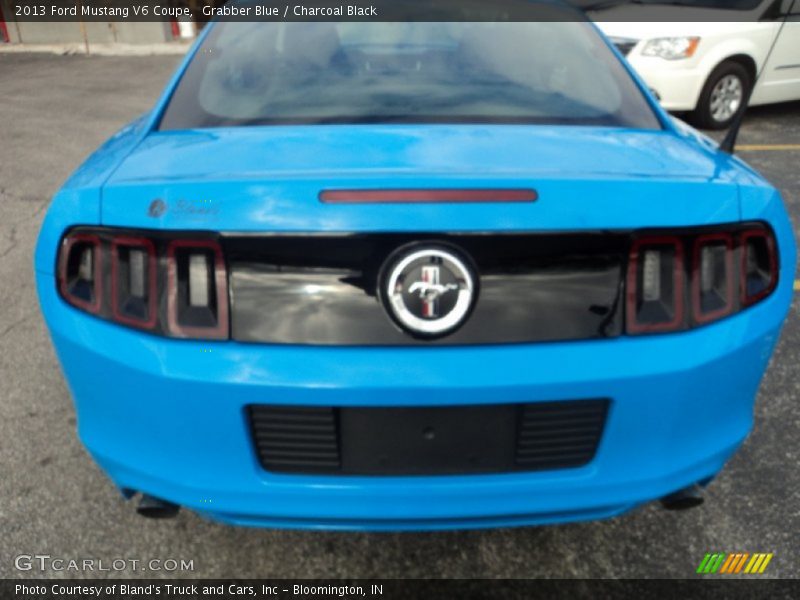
[(167, 417)]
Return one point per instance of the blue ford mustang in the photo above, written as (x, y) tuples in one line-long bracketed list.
[(412, 275)]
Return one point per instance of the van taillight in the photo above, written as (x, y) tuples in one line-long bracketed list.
[(703, 270), (168, 284)]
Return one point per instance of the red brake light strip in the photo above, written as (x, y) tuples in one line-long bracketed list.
[(421, 196)]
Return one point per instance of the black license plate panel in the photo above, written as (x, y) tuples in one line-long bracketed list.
[(428, 440)]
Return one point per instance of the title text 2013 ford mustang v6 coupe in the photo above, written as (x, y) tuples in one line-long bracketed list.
[(412, 275)]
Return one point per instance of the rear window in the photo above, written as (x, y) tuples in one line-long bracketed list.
[(303, 73)]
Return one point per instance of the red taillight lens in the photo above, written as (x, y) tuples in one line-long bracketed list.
[(80, 271), (656, 280), (174, 287), (759, 265), (133, 281), (712, 276), (197, 289), (743, 257)]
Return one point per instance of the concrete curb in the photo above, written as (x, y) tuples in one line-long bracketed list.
[(106, 49)]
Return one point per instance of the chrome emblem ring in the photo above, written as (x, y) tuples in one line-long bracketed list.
[(429, 290)]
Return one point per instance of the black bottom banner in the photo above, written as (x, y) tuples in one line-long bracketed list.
[(391, 589)]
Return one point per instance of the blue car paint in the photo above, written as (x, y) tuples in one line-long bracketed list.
[(166, 416), (160, 415)]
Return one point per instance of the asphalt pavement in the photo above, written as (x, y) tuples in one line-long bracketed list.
[(54, 110)]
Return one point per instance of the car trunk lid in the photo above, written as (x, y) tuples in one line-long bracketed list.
[(270, 179)]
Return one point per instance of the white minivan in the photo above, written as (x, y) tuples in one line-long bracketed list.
[(706, 67)]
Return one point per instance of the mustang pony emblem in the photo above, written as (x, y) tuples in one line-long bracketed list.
[(416, 284), (430, 289)]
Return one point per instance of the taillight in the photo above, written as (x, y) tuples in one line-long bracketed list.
[(714, 263), (197, 289), (80, 271), (759, 265), (166, 283), (655, 284), (712, 276), (133, 281)]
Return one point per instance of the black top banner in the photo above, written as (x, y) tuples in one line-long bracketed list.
[(396, 10)]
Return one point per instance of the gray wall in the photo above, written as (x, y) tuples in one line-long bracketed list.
[(65, 33)]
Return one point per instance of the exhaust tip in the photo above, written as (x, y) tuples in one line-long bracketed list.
[(155, 508), (688, 497)]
